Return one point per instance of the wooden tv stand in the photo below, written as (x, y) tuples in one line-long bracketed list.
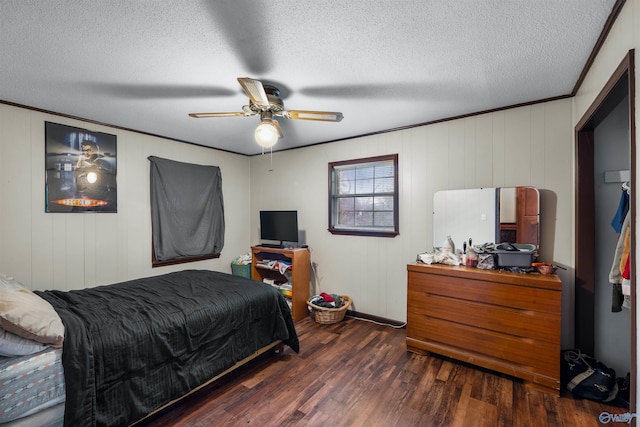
[(503, 321), (299, 277)]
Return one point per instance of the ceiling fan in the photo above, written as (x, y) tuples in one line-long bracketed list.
[(265, 100)]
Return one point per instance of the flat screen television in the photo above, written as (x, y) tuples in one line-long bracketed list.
[(280, 226)]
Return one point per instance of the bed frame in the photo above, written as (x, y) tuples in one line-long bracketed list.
[(277, 347)]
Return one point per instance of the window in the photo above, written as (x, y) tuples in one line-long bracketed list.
[(363, 196)]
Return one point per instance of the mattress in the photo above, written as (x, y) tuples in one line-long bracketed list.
[(29, 384)]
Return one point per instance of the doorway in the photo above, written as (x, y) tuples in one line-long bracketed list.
[(620, 88)]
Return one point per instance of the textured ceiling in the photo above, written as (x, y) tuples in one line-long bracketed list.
[(145, 64)]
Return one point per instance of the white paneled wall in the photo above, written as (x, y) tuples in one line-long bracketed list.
[(70, 251), (524, 146)]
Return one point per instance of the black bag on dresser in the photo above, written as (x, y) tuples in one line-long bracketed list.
[(588, 378)]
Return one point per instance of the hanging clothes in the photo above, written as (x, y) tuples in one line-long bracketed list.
[(625, 267), (623, 209), (620, 276), (615, 274)]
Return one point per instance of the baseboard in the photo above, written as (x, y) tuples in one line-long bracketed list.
[(377, 319)]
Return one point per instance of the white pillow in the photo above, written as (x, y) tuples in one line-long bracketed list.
[(12, 345), (27, 315)]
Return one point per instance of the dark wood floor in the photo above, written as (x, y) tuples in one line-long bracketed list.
[(356, 373)]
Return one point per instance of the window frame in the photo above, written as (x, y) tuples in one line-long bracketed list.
[(356, 230)]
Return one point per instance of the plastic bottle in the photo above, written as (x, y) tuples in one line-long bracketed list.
[(448, 246), (451, 244), (464, 253)]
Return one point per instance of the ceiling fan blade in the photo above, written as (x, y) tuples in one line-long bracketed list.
[(222, 114), (323, 116), (255, 90), (253, 42)]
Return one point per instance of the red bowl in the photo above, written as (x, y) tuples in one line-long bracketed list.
[(546, 269)]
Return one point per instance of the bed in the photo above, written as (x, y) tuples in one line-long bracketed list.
[(131, 348)]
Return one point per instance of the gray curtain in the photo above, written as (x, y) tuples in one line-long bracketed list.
[(187, 212)]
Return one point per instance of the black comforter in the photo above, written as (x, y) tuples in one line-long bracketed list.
[(132, 347)]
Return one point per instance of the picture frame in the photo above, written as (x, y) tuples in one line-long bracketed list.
[(80, 170)]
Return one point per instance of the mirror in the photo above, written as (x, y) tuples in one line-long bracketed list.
[(487, 215)]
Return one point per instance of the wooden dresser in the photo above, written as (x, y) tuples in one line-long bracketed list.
[(507, 322)]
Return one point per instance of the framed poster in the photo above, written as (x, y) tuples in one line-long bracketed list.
[(81, 170)]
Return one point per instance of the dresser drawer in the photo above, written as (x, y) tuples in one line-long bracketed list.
[(536, 356), (501, 294), (540, 326)]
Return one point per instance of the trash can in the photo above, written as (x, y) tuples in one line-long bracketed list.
[(241, 266)]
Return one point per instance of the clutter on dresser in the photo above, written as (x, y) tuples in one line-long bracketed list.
[(486, 262), (448, 254), (544, 267), (514, 254), (514, 257)]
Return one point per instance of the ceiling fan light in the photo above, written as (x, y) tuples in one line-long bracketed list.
[(266, 135)]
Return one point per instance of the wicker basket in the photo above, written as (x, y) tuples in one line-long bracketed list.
[(328, 316)]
